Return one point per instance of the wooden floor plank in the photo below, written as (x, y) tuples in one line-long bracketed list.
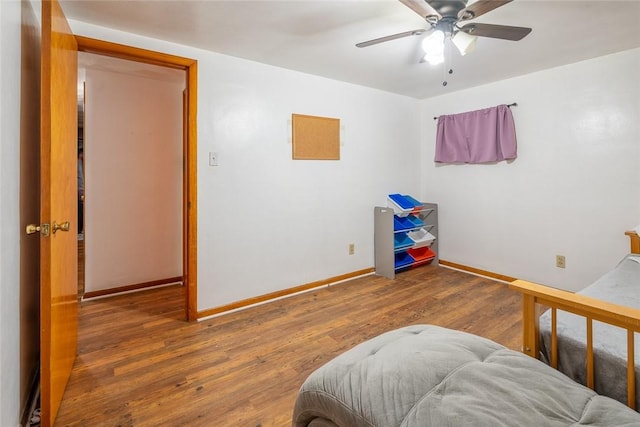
[(140, 364)]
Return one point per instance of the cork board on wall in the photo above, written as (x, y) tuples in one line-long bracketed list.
[(315, 138)]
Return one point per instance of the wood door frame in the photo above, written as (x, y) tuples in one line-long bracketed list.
[(189, 176)]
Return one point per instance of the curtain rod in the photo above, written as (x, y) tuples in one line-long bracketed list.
[(513, 104)]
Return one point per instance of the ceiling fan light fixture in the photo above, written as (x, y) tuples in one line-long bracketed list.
[(464, 42), (433, 43), (433, 46)]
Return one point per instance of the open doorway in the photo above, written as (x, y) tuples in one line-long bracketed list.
[(177, 172), (80, 167), (131, 161)]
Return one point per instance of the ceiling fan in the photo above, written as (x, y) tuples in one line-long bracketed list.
[(445, 16)]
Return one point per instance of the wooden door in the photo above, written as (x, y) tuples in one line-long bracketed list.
[(59, 187)]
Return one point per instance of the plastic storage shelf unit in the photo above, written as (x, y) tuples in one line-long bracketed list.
[(406, 234)]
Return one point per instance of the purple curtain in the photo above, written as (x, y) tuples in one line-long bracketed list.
[(482, 136)]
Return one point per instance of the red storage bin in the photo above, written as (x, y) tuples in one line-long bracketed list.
[(422, 255)]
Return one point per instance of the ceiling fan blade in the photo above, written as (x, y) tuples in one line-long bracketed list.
[(421, 7), (505, 32), (391, 37), (480, 8)]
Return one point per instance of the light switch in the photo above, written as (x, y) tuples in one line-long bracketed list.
[(213, 158)]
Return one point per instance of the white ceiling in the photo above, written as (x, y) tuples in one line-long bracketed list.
[(319, 36)]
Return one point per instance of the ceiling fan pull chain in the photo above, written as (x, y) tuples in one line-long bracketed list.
[(444, 73), (449, 50), (444, 64), (448, 63)]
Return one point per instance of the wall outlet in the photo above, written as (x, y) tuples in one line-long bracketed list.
[(352, 248), (560, 261)]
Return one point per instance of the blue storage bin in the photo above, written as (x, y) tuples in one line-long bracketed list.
[(401, 241), (403, 259), (401, 223), (403, 204), (413, 201), (402, 201), (415, 221)]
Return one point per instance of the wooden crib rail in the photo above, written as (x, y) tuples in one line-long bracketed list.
[(534, 296)]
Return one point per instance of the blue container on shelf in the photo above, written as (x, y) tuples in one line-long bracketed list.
[(415, 221), (401, 241), (401, 223), (403, 259), (402, 204), (402, 201), (413, 201)]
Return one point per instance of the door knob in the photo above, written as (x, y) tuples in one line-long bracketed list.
[(62, 227)]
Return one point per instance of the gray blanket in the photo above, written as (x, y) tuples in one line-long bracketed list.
[(426, 375), (620, 286)]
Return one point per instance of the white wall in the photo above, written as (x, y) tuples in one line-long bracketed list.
[(10, 21), (133, 174), (266, 222), (573, 189)]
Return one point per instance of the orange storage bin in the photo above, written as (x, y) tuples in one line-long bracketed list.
[(422, 255)]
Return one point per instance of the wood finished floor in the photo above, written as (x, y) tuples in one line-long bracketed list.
[(140, 364)]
